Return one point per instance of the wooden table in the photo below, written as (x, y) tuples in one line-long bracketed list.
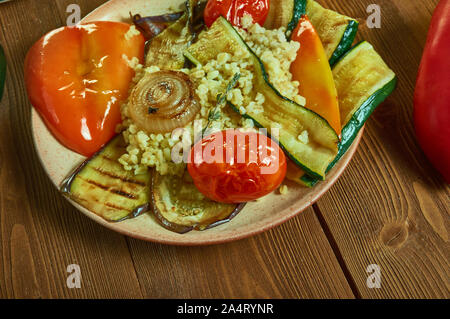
[(390, 207)]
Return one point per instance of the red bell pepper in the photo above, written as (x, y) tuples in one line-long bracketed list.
[(76, 78), (312, 69), (432, 95)]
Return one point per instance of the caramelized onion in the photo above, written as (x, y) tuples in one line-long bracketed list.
[(163, 101)]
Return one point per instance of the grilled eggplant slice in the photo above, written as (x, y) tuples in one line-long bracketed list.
[(166, 49), (180, 207), (154, 25), (104, 187)]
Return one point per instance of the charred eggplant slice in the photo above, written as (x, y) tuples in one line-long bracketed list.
[(166, 49), (104, 187), (180, 207), (154, 25)]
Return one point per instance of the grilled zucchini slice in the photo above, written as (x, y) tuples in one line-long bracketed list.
[(291, 118), (336, 31), (180, 207), (363, 81), (104, 187)]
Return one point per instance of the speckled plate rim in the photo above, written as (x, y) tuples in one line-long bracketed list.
[(41, 147)]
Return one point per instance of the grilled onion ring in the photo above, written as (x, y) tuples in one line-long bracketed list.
[(163, 101)]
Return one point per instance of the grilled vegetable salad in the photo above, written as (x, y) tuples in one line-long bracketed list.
[(230, 99)]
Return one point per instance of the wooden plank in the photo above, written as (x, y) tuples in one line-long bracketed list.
[(40, 233), (293, 260), (391, 208)]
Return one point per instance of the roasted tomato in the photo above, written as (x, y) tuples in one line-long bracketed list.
[(234, 10), (76, 78), (235, 167)]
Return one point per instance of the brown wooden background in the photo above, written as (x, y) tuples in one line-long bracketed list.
[(389, 208)]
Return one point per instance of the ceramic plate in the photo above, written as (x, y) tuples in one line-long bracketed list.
[(256, 217)]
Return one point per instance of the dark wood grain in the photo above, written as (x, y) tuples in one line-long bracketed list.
[(41, 234), (390, 207), (294, 260)]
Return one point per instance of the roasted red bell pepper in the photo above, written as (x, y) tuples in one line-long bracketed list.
[(76, 78), (432, 95), (312, 69)]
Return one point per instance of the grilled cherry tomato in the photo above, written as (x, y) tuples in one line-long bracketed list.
[(76, 78), (234, 10), (235, 167)]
